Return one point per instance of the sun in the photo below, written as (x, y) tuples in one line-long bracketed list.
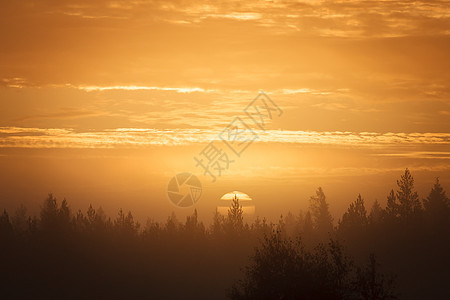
[(244, 200)]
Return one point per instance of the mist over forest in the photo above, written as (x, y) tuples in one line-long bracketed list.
[(399, 251)]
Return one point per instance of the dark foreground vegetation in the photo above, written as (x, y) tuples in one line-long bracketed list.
[(86, 255)]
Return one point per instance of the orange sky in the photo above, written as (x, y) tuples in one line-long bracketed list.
[(104, 102)]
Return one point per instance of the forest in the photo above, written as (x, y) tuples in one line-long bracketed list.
[(394, 251)]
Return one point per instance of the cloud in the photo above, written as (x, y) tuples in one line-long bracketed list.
[(62, 113), (137, 88), (295, 173), (343, 65), (353, 18), (142, 137), (422, 155), (15, 82), (305, 91)]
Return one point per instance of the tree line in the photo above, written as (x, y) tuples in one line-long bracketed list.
[(400, 250)]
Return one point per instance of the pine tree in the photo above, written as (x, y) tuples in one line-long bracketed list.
[(172, 224), (20, 219), (408, 199), (49, 214), (392, 207), (235, 215), (322, 219), (437, 204), (376, 214), (355, 216), (6, 229), (193, 227), (217, 225), (64, 215), (308, 224), (371, 284), (125, 225)]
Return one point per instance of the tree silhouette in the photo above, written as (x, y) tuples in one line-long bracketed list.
[(49, 214), (20, 221), (308, 229), (283, 269), (64, 216), (408, 199), (356, 215), (322, 219), (437, 205), (377, 213), (371, 284), (86, 255), (291, 225), (125, 225), (217, 226), (172, 225), (354, 224), (6, 229), (235, 218), (261, 227), (194, 228), (392, 207)]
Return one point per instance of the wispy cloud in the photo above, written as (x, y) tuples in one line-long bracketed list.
[(15, 82), (421, 154), (62, 113), (353, 18), (305, 91), (141, 137), (298, 173), (150, 88)]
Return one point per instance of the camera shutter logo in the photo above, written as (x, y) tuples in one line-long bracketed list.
[(184, 189)]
